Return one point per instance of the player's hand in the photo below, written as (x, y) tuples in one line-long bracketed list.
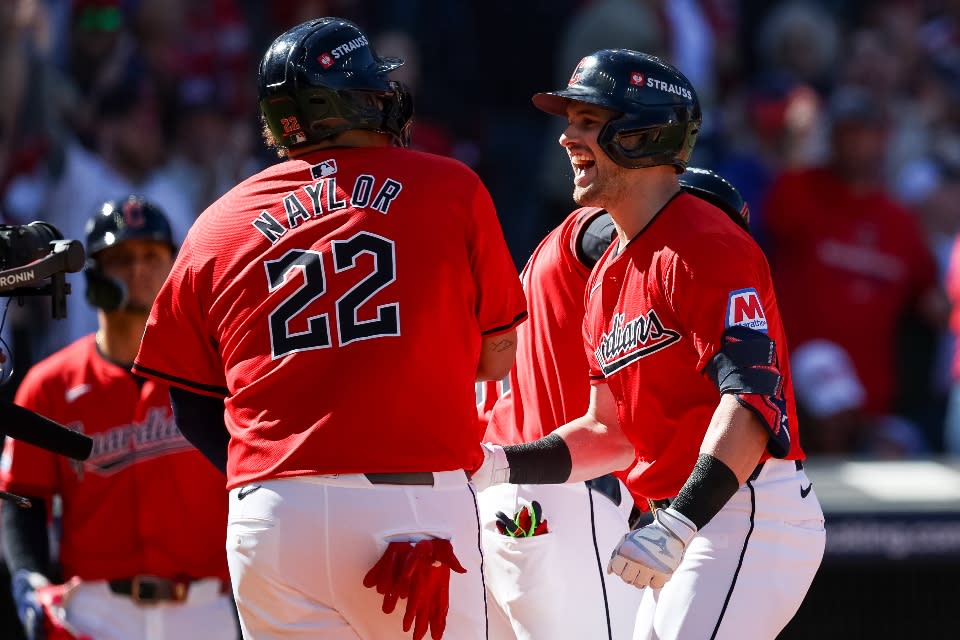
[(29, 609), (429, 587), (648, 556), (495, 468)]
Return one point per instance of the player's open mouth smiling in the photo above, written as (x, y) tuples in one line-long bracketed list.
[(581, 166)]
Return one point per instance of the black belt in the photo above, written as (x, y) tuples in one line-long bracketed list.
[(665, 502), (756, 472), (151, 589), (609, 486), (414, 478)]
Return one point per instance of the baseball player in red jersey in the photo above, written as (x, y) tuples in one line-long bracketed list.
[(308, 312), (557, 587), (691, 383), (141, 547)]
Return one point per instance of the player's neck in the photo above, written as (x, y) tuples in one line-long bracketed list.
[(118, 337), (642, 201)]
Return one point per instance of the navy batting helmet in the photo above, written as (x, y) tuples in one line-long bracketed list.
[(322, 78), (659, 113), (116, 221), (718, 191)]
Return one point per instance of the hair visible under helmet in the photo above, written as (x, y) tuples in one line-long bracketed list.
[(659, 113), (322, 78)]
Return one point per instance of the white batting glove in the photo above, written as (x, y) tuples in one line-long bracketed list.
[(495, 468), (648, 556)]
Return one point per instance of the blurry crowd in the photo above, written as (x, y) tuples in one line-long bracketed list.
[(839, 121)]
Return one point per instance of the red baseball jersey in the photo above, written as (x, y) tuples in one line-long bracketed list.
[(145, 501), (549, 384), (325, 298), (847, 265), (655, 316)]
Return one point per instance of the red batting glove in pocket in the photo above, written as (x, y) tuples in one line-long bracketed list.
[(429, 592), (385, 575)]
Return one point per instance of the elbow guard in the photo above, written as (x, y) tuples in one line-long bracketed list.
[(747, 366)]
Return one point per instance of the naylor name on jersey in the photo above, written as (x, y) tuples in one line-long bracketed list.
[(127, 444), (629, 341), (324, 196)]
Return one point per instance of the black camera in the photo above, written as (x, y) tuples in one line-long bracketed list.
[(34, 261)]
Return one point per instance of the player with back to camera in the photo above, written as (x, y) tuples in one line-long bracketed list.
[(313, 304), (141, 546), (690, 379), (546, 388)]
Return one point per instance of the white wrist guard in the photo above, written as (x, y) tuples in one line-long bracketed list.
[(495, 468)]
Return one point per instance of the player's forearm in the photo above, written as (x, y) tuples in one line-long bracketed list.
[(735, 437), (25, 541), (731, 447), (595, 448)]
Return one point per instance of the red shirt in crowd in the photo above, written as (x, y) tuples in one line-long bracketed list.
[(847, 266)]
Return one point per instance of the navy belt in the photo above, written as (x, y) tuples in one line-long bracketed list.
[(414, 478), (756, 472), (665, 502), (609, 486)]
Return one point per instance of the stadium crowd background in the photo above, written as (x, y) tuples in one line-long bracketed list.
[(102, 98)]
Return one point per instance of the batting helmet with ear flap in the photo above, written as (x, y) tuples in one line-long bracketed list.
[(322, 78), (658, 113), (716, 190), (116, 221)]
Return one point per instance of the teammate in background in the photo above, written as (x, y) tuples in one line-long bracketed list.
[(141, 545), (691, 382), (547, 387), (314, 300)]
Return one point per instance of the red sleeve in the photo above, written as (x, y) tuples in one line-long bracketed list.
[(501, 304), (24, 468), (176, 337), (717, 289)]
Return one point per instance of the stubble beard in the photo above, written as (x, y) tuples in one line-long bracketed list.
[(603, 190)]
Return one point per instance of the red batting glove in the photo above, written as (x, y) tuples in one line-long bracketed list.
[(524, 521), (53, 599), (385, 575), (541, 528), (429, 594)]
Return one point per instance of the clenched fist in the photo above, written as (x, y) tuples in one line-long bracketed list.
[(648, 556)]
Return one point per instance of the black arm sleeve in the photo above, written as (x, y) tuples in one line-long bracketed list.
[(25, 541), (200, 420)]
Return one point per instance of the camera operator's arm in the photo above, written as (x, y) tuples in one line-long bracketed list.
[(25, 539), (200, 420), (27, 551)]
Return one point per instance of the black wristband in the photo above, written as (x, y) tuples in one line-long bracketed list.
[(710, 485), (543, 461)]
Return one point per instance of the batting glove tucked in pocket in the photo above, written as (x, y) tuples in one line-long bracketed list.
[(648, 556)]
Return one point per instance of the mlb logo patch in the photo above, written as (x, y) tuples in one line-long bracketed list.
[(323, 169), (326, 60), (636, 78), (744, 310)]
